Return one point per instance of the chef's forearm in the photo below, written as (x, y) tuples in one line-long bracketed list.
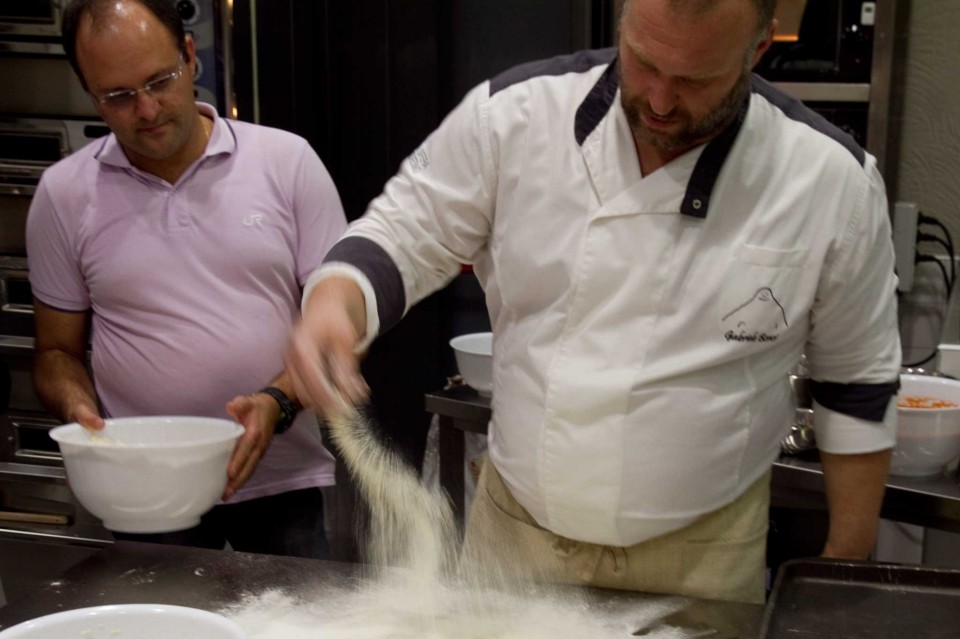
[(62, 384), (336, 292), (855, 486)]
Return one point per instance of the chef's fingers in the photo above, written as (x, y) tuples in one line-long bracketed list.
[(302, 361), (344, 369), (323, 370)]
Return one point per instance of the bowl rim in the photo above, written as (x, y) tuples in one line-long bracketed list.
[(935, 381), (927, 411), (58, 434), (457, 343), (217, 619)]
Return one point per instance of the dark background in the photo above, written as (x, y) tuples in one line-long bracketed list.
[(365, 81)]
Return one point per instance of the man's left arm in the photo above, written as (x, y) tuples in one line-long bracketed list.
[(854, 357), (855, 485)]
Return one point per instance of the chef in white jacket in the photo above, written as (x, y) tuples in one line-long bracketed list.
[(659, 235)]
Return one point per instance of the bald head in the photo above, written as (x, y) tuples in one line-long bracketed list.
[(99, 16), (696, 9)]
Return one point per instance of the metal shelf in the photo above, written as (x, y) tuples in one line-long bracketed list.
[(826, 91)]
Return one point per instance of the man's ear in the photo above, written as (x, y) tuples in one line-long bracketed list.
[(765, 43), (190, 55)]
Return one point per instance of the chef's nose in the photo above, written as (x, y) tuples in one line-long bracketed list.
[(661, 97)]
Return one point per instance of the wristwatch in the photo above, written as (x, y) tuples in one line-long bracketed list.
[(288, 409)]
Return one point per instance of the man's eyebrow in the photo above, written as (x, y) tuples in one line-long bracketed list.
[(644, 61), (155, 76)]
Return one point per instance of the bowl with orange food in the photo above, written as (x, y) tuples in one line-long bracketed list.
[(928, 431)]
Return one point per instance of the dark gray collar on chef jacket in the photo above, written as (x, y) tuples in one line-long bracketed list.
[(597, 105), (696, 201)]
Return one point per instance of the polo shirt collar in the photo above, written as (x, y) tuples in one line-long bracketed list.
[(696, 201), (222, 141)]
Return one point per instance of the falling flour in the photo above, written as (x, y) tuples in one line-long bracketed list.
[(419, 591)]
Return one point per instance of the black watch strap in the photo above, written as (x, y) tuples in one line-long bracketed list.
[(288, 409)]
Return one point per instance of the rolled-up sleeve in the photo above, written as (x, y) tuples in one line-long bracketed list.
[(854, 345)]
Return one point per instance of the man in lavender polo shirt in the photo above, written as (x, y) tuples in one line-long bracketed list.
[(178, 246)]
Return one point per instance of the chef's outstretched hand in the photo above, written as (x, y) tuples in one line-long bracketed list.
[(321, 360), (257, 414)]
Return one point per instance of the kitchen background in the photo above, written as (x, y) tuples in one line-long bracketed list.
[(928, 173), (364, 81)]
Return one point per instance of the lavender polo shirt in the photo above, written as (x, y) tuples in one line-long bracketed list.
[(193, 286)]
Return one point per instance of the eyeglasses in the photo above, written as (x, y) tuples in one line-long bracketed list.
[(126, 98)]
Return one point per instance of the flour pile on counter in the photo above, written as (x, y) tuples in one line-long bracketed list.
[(391, 610), (418, 591)]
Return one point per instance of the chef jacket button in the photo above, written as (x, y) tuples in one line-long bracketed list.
[(697, 204)]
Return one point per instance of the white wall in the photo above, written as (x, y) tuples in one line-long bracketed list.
[(929, 166), (929, 174)]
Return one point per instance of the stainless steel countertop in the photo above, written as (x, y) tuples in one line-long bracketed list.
[(213, 580), (932, 502)]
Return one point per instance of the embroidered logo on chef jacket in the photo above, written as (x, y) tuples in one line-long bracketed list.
[(419, 160), (760, 318)]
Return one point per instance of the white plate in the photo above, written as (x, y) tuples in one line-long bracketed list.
[(128, 621)]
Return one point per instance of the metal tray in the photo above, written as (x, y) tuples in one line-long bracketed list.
[(853, 600)]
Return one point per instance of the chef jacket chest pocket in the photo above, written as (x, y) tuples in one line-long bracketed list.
[(762, 295)]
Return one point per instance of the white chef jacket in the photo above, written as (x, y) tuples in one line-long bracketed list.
[(644, 326)]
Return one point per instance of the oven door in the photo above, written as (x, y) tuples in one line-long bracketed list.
[(43, 529), (38, 80), (30, 18), (14, 205), (27, 147), (821, 41)]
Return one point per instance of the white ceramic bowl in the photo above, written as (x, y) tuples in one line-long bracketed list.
[(927, 438), (474, 353), (128, 620), (148, 474)]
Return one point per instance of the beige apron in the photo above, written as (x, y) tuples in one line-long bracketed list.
[(721, 555)]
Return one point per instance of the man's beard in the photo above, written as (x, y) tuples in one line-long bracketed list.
[(691, 132)]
